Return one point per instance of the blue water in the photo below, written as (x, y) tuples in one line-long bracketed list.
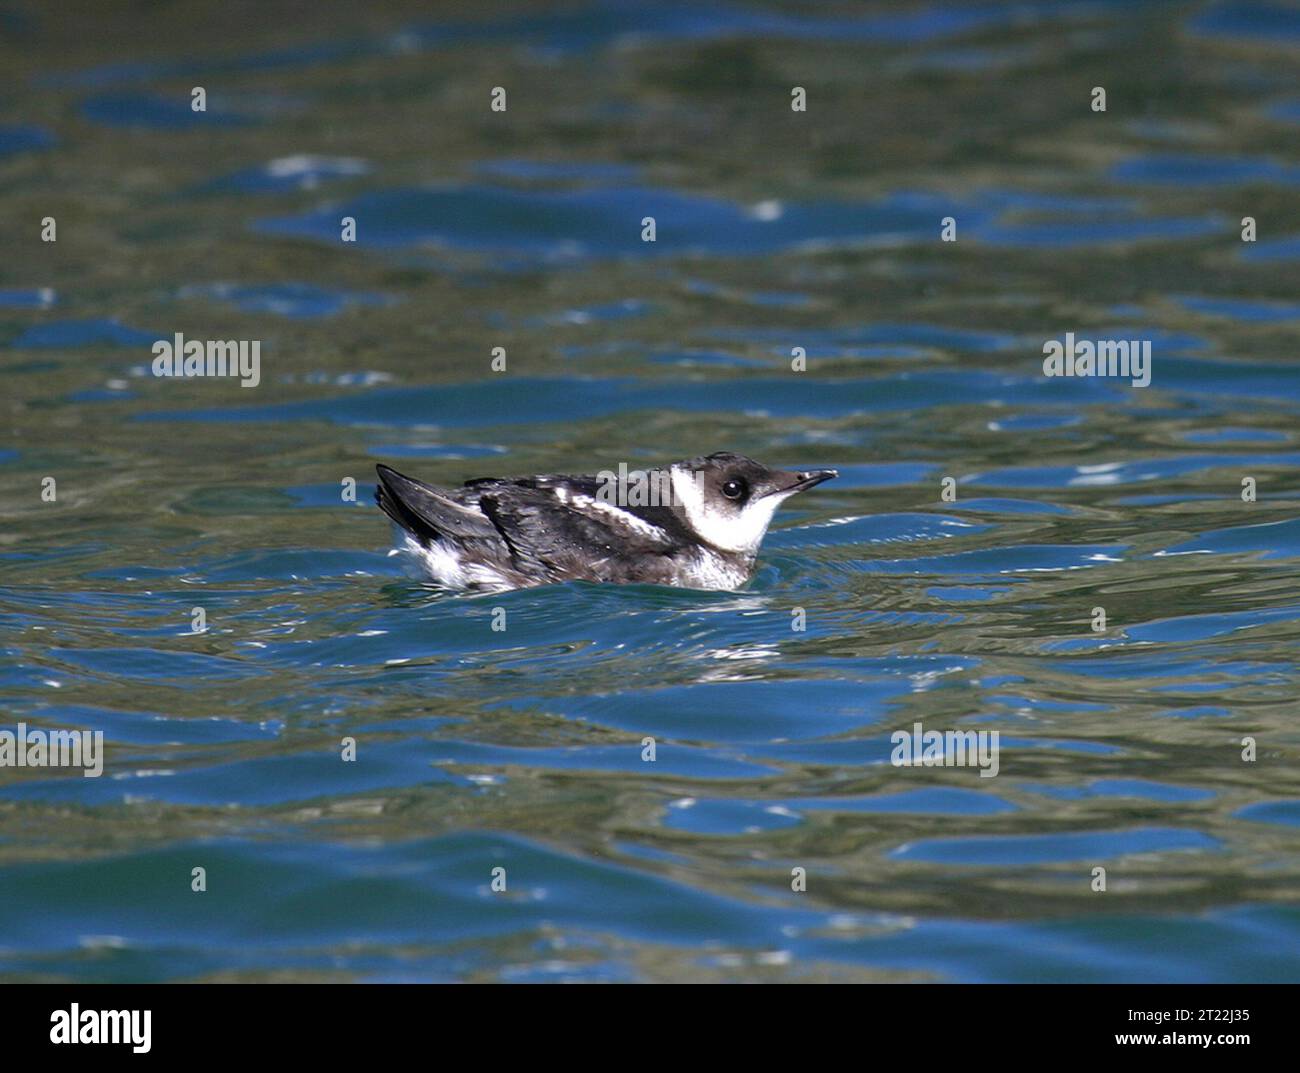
[(522, 748)]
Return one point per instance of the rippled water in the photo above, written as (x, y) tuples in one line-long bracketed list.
[(522, 748)]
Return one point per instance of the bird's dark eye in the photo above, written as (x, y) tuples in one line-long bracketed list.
[(734, 489)]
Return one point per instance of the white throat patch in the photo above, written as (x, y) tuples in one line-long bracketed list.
[(723, 528)]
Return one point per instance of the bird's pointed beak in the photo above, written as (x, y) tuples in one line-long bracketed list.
[(789, 483)]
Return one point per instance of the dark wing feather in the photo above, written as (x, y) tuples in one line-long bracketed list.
[(549, 539), (426, 512)]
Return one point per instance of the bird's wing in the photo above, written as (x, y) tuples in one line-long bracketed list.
[(559, 531), (428, 512)]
